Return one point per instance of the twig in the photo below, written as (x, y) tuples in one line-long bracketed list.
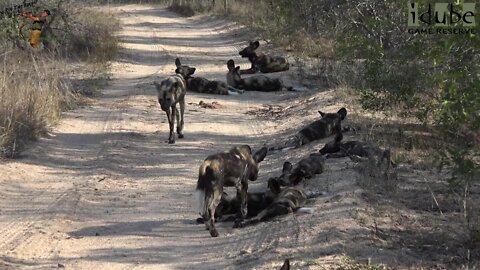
[(433, 195)]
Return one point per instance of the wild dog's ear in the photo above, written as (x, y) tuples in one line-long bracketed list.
[(255, 44), (237, 69), (322, 113), (286, 265), (287, 167), (260, 154), (230, 64), (177, 62), (191, 71), (274, 186), (246, 146), (342, 112)]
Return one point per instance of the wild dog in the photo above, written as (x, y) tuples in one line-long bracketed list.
[(261, 62), (232, 168), (171, 92), (287, 200), (372, 155), (202, 85), (229, 206), (329, 124), (337, 149), (253, 83), (286, 265), (284, 178), (307, 168)]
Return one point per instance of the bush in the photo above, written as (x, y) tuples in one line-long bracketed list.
[(33, 88), (32, 95)]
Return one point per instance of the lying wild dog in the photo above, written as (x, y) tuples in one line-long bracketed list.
[(232, 168), (202, 85), (376, 157), (305, 169), (329, 124), (253, 83), (286, 201), (171, 91), (262, 62), (337, 149), (256, 202)]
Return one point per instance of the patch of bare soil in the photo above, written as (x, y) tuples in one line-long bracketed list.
[(106, 191)]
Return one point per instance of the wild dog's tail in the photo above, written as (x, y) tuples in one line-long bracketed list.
[(204, 182), (296, 89), (234, 91), (200, 201), (305, 210)]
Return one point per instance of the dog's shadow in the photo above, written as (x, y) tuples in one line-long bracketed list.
[(140, 228)]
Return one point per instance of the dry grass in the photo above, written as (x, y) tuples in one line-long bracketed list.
[(34, 84), (411, 141), (33, 93), (87, 34)]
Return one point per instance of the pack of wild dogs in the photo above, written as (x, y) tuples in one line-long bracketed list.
[(236, 167)]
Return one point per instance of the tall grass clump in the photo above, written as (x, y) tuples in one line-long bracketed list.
[(32, 97)]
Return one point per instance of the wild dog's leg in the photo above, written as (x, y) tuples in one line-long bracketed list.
[(242, 188), (169, 118), (180, 124), (276, 209), (171, 122), (177, 117), (213, 202)]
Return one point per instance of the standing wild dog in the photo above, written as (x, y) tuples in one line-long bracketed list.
[(232, 168), (253, 83), (262, 62), (329, 124), (171, 91), (202, 85), (286, 201)]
